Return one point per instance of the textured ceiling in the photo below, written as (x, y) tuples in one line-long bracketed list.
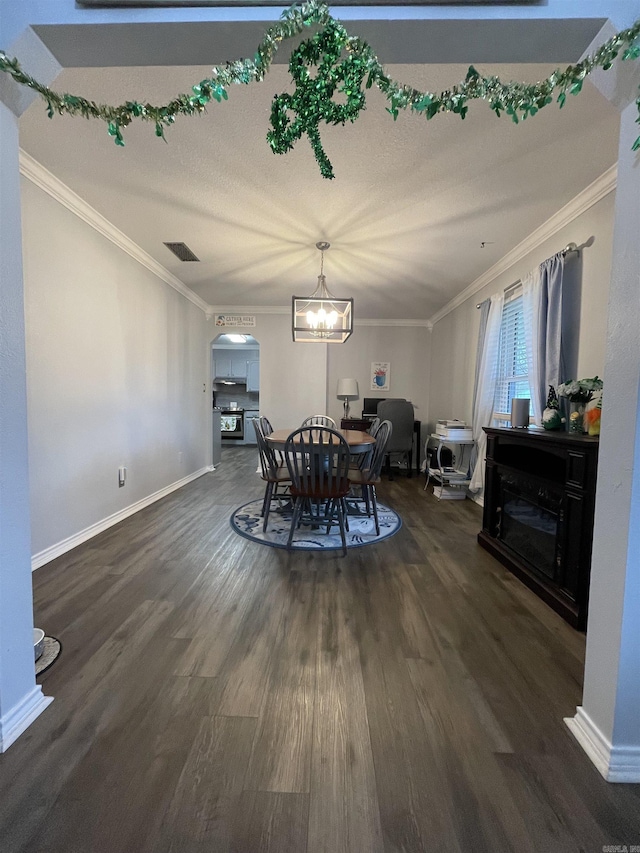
[(406, 214)]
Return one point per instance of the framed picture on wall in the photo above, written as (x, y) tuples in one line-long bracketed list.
[(380, 375)]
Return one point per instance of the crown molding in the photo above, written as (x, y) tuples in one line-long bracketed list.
[(47, 181), (589, 196), (212, 310), (43, 178), (53, 186), (286, 310), (395, 323)]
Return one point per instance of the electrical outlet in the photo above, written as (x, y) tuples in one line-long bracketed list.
[(122, 477), (180, 456)]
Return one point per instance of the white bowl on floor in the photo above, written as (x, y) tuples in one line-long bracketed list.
[(38, 642)]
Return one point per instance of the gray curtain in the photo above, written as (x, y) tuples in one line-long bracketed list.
[(542, 301)]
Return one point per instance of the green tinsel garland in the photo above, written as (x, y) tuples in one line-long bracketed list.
[(312, 100)]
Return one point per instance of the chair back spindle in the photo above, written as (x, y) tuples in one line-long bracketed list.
[(319, 420), (376, 459), (265, 425), (318, 461), (268, 460)]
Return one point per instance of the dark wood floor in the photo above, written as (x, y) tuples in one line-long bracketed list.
[(216, 695)]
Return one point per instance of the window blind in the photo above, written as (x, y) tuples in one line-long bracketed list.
[(513, 379)]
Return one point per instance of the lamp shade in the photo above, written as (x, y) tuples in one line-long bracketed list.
[(347, 389)]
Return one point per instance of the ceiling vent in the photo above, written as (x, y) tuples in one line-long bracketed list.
[(182, 251)]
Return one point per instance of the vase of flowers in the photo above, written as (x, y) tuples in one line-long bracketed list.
[(592, 413), (576, 416), (578, 392)]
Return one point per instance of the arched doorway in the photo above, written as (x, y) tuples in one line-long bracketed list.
[(235, 390)]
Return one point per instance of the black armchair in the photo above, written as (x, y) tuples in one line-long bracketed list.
[(401, 415)]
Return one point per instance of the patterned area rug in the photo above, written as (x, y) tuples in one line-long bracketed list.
[(52, 649), (247, 522)]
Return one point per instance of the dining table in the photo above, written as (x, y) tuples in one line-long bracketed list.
[(358, 441)]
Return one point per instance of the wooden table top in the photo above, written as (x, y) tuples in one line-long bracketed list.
[(357, 440)]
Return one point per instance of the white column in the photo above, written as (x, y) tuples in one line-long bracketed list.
[(607, 724), (21, 700)]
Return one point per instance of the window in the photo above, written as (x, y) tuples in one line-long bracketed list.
[(513, 375)]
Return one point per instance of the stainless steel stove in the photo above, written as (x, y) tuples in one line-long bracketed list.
[(232, 424)]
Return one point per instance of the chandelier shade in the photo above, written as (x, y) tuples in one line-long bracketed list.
[(321, 317)]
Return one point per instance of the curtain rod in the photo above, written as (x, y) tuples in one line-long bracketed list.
[(570, 247)]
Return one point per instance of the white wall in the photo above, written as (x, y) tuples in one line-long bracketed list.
[(116, 370), (118, 362), (407, 348), (297, 380), (293, 377), (454, 337)]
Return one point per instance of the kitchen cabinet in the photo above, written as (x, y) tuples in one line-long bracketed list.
[(253, 376), (249, 432), (222, 367), (231, 367), (239, 366)]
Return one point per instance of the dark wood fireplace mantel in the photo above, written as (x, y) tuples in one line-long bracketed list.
[(538, 512)]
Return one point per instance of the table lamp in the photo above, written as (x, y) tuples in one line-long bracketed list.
[(347, 390)]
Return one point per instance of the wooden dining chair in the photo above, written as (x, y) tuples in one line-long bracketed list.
[(267, 429), (319, 420), (273, 473), (265, 425), (373, 426), (368, 477), (317, 459), (363, 460)]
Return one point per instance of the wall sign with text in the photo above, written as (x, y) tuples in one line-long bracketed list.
[(235, 320)]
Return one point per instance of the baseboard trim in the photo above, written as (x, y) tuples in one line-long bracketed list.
[(43, 557), (615, 763), (20, 717)]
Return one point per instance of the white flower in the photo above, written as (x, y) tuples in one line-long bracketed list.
[(579, 390)]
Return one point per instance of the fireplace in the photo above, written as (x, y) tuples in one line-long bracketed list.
[(538, 512), (530, 522)]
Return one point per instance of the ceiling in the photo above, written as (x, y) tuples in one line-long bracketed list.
[(407, 214)]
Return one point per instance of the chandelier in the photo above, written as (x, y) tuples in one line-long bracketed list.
[(321, 317)]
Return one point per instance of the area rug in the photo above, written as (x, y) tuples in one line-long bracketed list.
[(246, 521), (52, 649)]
